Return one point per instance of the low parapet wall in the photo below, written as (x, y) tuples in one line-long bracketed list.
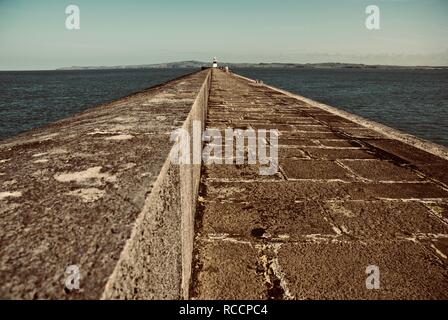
[(97, 191), (156, 262)]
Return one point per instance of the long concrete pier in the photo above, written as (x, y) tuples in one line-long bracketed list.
[(351, 200)]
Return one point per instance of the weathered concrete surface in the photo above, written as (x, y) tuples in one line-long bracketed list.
[(99, 191), (71, 193), (349, 194), (156, 262)]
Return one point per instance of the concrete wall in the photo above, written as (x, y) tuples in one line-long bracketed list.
[(97, 190), (156, 262)]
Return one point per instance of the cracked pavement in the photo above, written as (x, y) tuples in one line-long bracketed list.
[(345, 197)]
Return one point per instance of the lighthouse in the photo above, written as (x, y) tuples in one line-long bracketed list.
[(215, 63)]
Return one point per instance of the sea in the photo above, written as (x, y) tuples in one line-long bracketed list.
[(411, 100)]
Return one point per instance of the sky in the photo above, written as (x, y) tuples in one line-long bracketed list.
[(33, 35)]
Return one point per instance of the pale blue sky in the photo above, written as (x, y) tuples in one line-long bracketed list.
[(33, 33)]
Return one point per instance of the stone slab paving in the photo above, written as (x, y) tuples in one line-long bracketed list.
[(346, 197)]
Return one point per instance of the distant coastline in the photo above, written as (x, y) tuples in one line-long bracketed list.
[(199, 64)]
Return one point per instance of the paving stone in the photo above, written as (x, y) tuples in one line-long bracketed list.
[(339, 143), (314, 169), (335, 154), (228, 271), (359, 133), (384, 219), (280, 127), (287, 191), (274, 218), (338, 270), (310, 135), (379, 170), (438, 171), (440, 209), (290, 152), (296, 142), (238, 172), (311, 128), (439, 246), (370, 191), (299, 120), (405, 151)]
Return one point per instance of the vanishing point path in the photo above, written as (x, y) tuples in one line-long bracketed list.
[(346, 197), (92, 207)]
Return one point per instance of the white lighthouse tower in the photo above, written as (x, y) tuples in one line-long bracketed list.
[(215, 63)]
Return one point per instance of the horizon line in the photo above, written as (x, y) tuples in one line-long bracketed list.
[(135, 66)]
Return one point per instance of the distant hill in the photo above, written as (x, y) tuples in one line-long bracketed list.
[(199, 64), (169, 65)]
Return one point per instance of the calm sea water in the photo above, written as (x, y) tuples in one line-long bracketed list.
[(415, 101), (30, 99)]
